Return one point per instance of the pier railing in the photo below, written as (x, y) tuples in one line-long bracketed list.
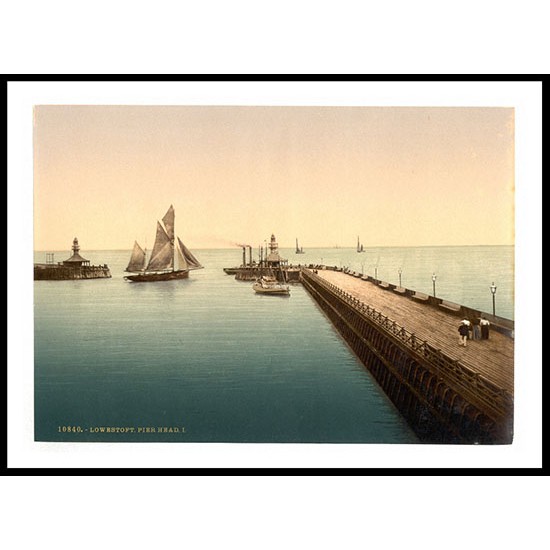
[(496, 399), (500, 324)]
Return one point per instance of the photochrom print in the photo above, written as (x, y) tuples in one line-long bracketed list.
[(284, 274)]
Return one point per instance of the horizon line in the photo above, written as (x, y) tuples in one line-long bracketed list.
[(333, 247)]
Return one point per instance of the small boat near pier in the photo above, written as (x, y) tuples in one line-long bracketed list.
[(269, 285)]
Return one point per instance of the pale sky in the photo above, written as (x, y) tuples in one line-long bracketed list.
[(394, 176)]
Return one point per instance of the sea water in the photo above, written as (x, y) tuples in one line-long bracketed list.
[(207, 360)]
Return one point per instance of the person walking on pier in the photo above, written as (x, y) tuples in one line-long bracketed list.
[(463, 331), (477, 330), (471, 329), (484, 328)]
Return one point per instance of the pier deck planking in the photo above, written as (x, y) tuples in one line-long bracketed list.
[(492, 358)]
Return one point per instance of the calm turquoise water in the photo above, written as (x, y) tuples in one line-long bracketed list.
[(464, 273), (210, 356)]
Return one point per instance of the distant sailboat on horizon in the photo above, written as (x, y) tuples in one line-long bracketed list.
[(169, 259), (298, 249), (359, 246)]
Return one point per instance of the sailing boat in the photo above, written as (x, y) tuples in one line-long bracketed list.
[(359, 246), (298, 249), (169, 260)]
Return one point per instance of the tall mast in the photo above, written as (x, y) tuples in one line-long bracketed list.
[(173, 238)]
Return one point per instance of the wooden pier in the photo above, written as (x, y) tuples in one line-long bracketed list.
[(410, 343)]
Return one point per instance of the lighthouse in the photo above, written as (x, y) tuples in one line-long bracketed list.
[(76, 260), (274, 259)]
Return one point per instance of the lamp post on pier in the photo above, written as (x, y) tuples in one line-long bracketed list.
[(493, 291), (375, 274), (400, 271), (434, 277)]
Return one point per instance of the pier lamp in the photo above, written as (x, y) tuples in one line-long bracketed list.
[(400, 271), (376, 273), (493, 291), (434, 277), (362, 268)]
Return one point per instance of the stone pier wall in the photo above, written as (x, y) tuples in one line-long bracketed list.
[(45, 272)]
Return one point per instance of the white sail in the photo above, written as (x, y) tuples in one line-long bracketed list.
[(182, 262), (162, 256), (192, 262), (137, 260), (168, 222)]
